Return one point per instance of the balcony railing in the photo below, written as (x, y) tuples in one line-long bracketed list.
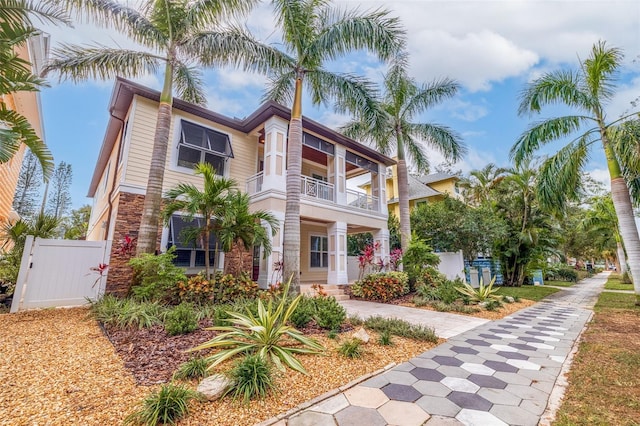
[(316, 188), (362, 201), (254, 183)]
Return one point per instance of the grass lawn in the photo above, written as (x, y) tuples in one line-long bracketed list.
[(615, 283), (604, 384), (559, 283), (527, 292)]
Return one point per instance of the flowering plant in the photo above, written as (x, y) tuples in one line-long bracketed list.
[(100, 269)]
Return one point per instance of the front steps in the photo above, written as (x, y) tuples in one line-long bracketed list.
[(329, 289)]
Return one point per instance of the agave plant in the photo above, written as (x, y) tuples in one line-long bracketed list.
[(482, 293), (264, 334)]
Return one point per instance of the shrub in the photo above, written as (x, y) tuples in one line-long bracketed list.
[(304, 312), (329, 314), (229, 287), (398, 327), (181, 320), (251, 378), (454, 307), (429, 276), (383, 286), (419, 255), (168, 404), (355, 320), (195, 368), (196, 289), (567, 274), (385, 338), (492, 305), (127, 313), (351, 348), (480, 294), (263, 333), (155, 277), (443, 290), (626, 278)]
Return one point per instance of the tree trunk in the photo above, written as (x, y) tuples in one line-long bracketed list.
[(148, 232), (207, 233), (403, 201), (622, 261), (291, 236), (628, 229)]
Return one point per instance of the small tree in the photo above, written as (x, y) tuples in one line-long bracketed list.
[(59, 196), (76, 224), (28, 187)]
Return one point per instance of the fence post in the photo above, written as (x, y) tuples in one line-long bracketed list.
[(23, 275)]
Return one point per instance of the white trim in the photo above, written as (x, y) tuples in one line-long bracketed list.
[(318, 268), (132, 189), (127, 142)]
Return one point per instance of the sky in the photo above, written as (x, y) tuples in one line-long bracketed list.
[(492, 48)]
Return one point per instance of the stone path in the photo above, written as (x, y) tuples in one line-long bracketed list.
[(498, 373)]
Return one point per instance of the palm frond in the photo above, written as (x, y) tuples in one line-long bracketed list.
[(299, 22), (556, 87), (281, 89), (203, 13), (429, 95), (352, 93), (601, 69), (18, 13), (189, 85), (541, 133), (83, 62), (441, 138), (19, 131), (414, 151)]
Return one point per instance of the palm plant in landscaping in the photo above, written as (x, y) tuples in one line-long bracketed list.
[(394, 129), (313, 34), (484, 293), (175, 35), (601, 218), (16, 27), (481, 182), (587, 90), (263, 335)]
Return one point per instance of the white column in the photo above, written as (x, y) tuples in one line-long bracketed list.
[(268, 274), (275, 154), (381, 186), (340, 175), (381, 239), (337, 272)]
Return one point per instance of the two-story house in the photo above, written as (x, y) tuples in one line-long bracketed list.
[(253, 151)]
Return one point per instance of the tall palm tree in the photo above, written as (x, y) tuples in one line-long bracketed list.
[(480, 182), (601, 218), (587, 90), (176, 35), (242, 227), (395, 130), (211, 204), (314, 33), (16, 27)]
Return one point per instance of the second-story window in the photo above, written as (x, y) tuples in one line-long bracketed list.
[(200, 144)]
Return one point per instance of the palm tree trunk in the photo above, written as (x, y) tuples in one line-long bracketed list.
[(207, 233), (403, 197), (628, 229), (291, 236), (148, 233), (622, 261)]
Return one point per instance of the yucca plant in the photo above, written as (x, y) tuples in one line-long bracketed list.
[(263, 334), (482, 293)]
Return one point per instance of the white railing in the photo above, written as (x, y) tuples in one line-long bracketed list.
[(316, 188), (254, 183), (361, 200)]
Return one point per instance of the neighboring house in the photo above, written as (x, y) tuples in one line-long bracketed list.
[(35, 50), (422, 189), (253, 152)]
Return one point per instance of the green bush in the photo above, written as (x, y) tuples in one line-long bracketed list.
[(304, 312), (155, 277), (454, 307), (443, 290), (197, 289), (382, 286), (229, 287), (351, 348), (251, 377), (385, 338), (401, 328), (127, 313), (195, 368), (329, 314), (492, 305), (417, 258), (168, 404), (181, 320)]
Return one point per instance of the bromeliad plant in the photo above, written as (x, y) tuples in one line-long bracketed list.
[(264, 334), (482, 293)]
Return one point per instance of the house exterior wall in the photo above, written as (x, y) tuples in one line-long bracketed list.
[(447, 186)]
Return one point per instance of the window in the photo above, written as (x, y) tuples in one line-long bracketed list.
[(189, 248), (318, 252), (317, 143), (123, 137), (199, 144)]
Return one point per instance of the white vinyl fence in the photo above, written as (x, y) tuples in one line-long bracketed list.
[(58, 273)]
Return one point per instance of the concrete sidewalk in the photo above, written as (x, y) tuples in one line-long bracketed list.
[(498, 373)]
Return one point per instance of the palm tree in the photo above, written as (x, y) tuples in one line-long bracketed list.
[(17, 27), (314, 33), (480, 183), (395, 129), (239, 226), (211, 203), (601, 218), (176, 35), (586, 90)]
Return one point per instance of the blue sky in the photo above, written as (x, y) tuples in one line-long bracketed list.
[(493, 48)]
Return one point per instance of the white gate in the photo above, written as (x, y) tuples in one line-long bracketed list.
[(59, 273)]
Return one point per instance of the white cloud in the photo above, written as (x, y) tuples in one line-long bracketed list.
[(466, 111), (230, 80), (602, 176)]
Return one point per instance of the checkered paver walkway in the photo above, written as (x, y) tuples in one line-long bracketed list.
[(500, 373)]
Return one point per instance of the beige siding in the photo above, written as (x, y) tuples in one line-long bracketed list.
[(310, 275)]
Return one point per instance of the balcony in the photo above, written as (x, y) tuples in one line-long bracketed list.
[(362, 201), (316, 188), (254, 183)]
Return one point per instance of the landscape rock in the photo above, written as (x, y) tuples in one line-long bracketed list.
[(509, 299), (362, 335), (214, 386)]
